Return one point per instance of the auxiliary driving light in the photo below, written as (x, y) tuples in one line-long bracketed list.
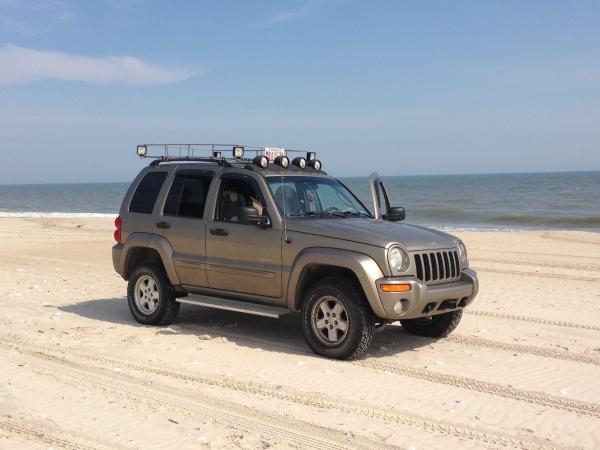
[(238, 151), (141, 150), (216, 154), (315, 164), (299, 162), (311, 155), (261, 161), (282, 161)]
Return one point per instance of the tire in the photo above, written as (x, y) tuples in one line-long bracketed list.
[(344, 299), (437, 326), (151, 297)]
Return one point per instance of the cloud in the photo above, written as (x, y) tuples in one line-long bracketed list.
[(24, 65), (283, 16)]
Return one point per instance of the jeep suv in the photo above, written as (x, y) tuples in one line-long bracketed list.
[(269, 236)]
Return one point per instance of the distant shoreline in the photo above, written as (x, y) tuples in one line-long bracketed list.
[(511, 202)]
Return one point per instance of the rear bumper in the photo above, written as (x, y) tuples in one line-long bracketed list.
[(424, 300), (117, 253)]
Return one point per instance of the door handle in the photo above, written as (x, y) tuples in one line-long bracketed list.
[(219, 232), (165, 225)]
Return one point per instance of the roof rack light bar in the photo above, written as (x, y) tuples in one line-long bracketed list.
[(211, 152)]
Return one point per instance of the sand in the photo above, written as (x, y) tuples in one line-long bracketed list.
[(521, 371)]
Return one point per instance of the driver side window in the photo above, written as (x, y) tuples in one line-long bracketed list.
[(234, 194)]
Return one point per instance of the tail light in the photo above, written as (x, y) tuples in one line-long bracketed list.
[(118, 224)]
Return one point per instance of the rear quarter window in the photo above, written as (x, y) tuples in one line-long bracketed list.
[(146, 193)]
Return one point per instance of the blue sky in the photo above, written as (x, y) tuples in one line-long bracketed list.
[(401, 87)]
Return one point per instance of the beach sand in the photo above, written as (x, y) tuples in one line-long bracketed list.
[(521, 371)]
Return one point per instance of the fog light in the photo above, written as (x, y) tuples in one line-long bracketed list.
[(141, 150), (406, 287), (401, 306)]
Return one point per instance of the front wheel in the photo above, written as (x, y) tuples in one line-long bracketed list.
[(336, 319), (150, 296), (437, 326)]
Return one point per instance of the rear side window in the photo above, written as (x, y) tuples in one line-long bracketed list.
[(145, 195), (187, 196)]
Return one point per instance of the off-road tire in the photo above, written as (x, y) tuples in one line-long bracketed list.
[(167, 307), (437, 326), (361, 320)]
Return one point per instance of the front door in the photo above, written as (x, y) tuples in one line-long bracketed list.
[(381, 201), (242, 257)]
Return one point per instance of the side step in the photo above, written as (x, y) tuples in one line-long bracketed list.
[(232, 305)]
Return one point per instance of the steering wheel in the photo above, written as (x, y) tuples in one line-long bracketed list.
[(331, 209)]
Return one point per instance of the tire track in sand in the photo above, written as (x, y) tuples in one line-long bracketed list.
[(538, 320), (317, 400), (552, 264), (485, 387), (47, 435), (298, 433), (539, 275), (523, 348)]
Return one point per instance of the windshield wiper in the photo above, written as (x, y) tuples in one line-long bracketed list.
[(355, 213), (319, 214)]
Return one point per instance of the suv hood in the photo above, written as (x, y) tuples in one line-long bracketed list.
[(374, 232)]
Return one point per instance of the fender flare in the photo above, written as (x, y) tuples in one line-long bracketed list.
[(154, 242), (364, 267)]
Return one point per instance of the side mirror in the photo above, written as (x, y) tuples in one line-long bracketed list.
[(395, 214), (249, 215)]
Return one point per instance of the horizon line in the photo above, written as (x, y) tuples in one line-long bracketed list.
[(342, 176)]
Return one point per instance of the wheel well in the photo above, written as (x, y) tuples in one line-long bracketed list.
[(315, 272), (139, 255)]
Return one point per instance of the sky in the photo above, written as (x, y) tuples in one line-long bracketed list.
[(398, 87)]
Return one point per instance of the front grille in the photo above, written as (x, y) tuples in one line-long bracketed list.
[(437, 266)]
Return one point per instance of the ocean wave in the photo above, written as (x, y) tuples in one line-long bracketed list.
[(535, 220), (47, 215), (487, 229)]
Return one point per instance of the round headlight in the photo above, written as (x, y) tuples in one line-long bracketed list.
[(398, 260), (462, 253)]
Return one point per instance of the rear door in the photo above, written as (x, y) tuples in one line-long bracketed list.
[(183, 223)]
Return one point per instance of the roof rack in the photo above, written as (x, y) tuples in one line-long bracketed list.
[(212, 153)]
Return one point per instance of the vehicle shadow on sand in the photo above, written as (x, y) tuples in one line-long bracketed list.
[(245, 330)]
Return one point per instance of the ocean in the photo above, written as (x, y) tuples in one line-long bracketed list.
[(569, 200)]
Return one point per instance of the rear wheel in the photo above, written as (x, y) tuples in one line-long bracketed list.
[(336, 319), (439, 325), (150, 296)]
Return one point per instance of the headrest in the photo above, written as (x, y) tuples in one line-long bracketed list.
[(231, 196)]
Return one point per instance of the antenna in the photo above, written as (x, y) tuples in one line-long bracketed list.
[(285, 235)]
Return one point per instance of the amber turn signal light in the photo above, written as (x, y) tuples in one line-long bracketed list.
[(396, 287)]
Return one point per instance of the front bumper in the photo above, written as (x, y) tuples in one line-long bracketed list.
[(425, 300)]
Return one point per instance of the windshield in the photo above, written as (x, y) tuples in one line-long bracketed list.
[(298, 196)]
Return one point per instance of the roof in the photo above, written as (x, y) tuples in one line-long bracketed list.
[(270, 170)]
